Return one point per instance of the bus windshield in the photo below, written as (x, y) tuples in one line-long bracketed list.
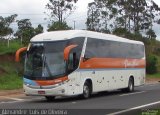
[(45, 60)]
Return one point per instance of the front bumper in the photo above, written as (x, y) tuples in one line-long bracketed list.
[(55, 91)]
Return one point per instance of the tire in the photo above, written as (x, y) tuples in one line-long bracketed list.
[(50, 98), (86, 90), (130, 87)]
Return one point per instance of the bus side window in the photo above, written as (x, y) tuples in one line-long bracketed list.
[(72, 62)]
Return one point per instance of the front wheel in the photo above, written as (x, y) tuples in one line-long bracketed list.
[(86, 90), (50, 98)]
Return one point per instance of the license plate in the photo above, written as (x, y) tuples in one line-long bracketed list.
[(41, 92)]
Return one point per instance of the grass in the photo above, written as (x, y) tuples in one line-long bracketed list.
[(9, 78), (10, 82), (14, 45), (156, 75)]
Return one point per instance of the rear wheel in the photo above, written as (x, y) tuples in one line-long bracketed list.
[(50, 98), (130, 85), (86, 90)]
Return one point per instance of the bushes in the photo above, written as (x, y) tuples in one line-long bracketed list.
[(151, 67)]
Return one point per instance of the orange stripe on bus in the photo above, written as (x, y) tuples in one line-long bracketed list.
[(51, 82), (112, 63)]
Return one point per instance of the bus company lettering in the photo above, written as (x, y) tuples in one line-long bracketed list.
[(131, 63)]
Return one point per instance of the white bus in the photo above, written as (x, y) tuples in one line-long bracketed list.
[(79, 62)]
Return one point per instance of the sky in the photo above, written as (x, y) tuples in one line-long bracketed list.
[(34, 10)]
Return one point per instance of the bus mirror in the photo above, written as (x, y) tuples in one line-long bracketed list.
[(18, 52), (67, 51)]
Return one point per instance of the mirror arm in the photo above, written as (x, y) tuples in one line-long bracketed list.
[(67, 50), (18, 52)]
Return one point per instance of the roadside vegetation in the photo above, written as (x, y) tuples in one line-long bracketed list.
[(10, 77)]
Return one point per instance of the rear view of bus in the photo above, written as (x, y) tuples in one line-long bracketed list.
[(67, 63)]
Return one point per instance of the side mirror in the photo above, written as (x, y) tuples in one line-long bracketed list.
[(67, 51), (18, 52)]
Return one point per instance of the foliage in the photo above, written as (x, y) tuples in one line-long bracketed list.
[(99, 15), (14, 45), (135, 16), (151, 67), (5, 25), (39, 29), (58, 26), (9, 79), (25, 31), (60, 9)]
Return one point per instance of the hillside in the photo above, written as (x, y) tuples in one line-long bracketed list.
[(9, 75)]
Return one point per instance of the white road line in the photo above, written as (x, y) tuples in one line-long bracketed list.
[(132, 93), (74, 102), (16, 99), (134, 108)]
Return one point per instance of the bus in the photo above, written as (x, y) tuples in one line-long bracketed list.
[(80, 62)]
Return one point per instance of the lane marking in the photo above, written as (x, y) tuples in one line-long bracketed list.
[(134, 108), (73, 102), (132, 93), (16, 99)]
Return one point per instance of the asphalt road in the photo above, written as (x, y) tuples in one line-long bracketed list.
[(143, 100)]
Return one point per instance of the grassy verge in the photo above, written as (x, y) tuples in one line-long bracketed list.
[(157, 75), (14, 45), (9, 78), (10, 82)]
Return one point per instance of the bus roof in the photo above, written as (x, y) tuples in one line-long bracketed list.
[(68, 34)]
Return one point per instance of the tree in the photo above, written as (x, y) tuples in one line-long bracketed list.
[(151, 34), (92, 17), (39, 29), (58, 26), (100, 14), (60, 9), (5, 29), (25, 31), (151, 67)]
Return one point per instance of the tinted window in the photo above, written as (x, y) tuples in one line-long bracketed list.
[(114, 49)]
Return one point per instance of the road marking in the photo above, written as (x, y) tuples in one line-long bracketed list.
[(134, 108), (132, 93), (16, 99), (73, 102)]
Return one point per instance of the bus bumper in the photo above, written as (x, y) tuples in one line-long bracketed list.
[(61, 90)]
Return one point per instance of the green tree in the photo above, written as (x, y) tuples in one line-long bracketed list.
[(58, 26), (151, 64), (59, 11), (151, 34), (25, 31), (5, 29), (39, 29), (100, 15)]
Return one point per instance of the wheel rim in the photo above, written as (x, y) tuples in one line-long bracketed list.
[(86, 91), (131, 86)]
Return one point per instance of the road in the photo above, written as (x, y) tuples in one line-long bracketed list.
[(144, 99)]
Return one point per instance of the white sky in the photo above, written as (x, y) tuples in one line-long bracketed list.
[(26, 9)]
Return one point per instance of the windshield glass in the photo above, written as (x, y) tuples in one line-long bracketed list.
[(46, 60), (34, 60)]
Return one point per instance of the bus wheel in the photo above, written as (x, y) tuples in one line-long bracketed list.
[(50, 98), (130, 85), (86, 90)]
